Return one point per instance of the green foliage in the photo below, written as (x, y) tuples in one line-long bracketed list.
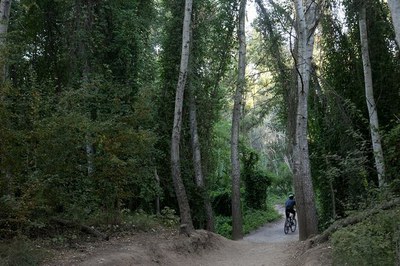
[(391, 147), (77, 114), (169, 217), (256, 181), (138, 220), (252, 219), (372, 242), (341, 151), (223, 226), (281, 182)]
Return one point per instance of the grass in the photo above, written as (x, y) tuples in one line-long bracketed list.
[(252, 219)]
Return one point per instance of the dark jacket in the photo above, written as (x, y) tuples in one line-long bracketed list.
[(290, 203)]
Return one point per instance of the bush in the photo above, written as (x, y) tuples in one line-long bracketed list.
[(256, 181), (252, 219), (372, 242), (223, 226), (392, 153)]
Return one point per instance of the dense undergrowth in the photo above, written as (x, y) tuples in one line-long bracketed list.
[(252, 219), (375, 241)]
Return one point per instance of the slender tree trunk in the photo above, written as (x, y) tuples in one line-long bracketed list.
[(84, 22), (197, 165), (369, 95), (5, 7), (186, 219), (394, 6), (158, 211), (305, 199), (237, 223)]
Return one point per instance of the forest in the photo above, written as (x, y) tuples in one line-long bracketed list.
[(201, 114)]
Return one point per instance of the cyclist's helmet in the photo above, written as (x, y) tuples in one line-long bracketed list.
[(291, 195)]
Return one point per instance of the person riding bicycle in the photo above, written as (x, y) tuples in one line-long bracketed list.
[(289, 206)]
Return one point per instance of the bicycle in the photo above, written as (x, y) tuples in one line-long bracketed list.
[(290, 223)]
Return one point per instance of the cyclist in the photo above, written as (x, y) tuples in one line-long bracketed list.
[(289, 206)]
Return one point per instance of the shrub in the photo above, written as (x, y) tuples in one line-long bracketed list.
[(372, 242), (252, 219), (223, 226)]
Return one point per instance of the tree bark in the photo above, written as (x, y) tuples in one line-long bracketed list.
[(158, 209), (5, 7), (197, 165), (394, 6), (306, 22), (237, 223), (184, 208), (369, 95)]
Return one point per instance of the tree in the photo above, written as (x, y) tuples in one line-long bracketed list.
[(197, 162), (184, 208), (5, 7), (237, 223), (369, 95), (394, 6), (307, 20)]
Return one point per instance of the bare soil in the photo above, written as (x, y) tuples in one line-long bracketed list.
[(266, 246)]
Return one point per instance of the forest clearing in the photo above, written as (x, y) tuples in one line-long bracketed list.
[(165, 132)]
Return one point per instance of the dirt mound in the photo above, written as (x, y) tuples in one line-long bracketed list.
[(268, 246), (147, 248), (319, 255), (199, 241)]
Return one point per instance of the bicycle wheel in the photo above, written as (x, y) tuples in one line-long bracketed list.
[(286, 227), (293, 225)]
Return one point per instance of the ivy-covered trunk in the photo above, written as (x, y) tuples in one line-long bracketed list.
[(197, 162), (369, 95), (306, 22), (5, 7), (237, 223)]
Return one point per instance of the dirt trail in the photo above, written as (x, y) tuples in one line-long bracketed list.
[(266, 246)]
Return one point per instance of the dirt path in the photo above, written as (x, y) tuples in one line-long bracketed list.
[(266, 246)]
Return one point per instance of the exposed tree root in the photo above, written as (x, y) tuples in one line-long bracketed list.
[(82, 227)]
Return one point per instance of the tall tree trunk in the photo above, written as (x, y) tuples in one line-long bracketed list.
[(237, 223), (184, 208), (83, 16), (369, 95), (197, 165), (394, 6), (5, 7), (306, 22)]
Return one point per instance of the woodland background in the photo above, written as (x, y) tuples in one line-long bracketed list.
[(87, 106)]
